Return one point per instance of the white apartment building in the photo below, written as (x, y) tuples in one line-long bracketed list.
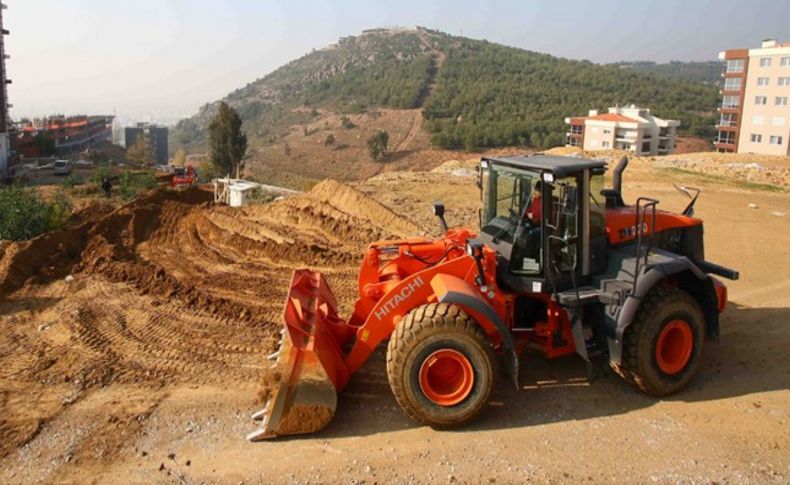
[(631, 128), (755, 108)]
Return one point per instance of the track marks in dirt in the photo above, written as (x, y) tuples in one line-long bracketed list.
[(168, 291)]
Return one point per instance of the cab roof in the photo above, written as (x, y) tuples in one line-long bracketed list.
[(560, 166)]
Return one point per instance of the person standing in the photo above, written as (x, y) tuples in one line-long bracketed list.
[(106, 187)]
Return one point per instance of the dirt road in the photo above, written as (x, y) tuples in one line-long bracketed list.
[(144, 367)]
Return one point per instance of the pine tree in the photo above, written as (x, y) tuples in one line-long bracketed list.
[(227, 142)]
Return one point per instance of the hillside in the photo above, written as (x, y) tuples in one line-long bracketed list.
[(427, 89), (698, 71)]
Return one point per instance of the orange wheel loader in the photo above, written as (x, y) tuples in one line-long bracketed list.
[(559, 264)]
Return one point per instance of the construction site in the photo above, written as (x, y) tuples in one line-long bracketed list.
[(133, 346)]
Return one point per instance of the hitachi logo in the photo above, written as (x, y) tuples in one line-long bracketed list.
[(398, 298)]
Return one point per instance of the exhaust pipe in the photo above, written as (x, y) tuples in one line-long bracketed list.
[(618, 174)]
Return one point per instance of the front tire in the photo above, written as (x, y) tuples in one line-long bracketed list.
[(440, 365), (662, 348)]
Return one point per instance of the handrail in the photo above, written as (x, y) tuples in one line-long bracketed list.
[(641, 212)]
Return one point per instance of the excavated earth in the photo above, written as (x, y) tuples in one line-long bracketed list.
[(132, 349)]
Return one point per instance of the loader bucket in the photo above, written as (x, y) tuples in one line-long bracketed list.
[(309, 369)]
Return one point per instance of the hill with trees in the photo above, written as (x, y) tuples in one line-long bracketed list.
[(471, 94), (708, 72)]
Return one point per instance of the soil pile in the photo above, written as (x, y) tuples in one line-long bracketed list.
[(210, 284)]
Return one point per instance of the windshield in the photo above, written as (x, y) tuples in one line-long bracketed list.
[(506, 193)]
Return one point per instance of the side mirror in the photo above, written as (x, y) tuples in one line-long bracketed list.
[(568, 199), (438, 211)]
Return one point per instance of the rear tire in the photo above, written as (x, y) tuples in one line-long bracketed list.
[(662, 348), (440, 365)]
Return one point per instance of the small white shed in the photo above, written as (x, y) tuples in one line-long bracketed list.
[(234, 192)]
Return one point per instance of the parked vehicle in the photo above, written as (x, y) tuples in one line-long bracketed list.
[(62, 167)]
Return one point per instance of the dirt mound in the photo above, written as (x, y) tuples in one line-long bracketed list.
[(210, 284), (219, 259)]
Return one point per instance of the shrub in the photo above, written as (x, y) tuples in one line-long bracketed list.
[(130, 183), (330, 140), (73, 180), (346, 123), (23, 215), (377, 145)]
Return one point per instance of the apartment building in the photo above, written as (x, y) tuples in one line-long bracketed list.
[(157, 138), (69, 134), (755, 112), (631, 129), (5, 125)]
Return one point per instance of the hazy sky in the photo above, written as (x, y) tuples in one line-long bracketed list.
[(165, 58)]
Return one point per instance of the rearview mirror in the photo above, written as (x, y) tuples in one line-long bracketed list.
[(568, 199)]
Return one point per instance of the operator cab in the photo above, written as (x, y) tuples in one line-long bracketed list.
[(541, 215)]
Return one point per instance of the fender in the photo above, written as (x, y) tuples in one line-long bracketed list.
[(648, 278), (451, 289)]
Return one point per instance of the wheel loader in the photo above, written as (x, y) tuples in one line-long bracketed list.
[(559, 264)]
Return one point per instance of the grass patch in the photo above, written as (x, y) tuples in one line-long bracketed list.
[(725, 180)]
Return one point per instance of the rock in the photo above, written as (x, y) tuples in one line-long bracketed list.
[(68, 279), (753, 206), (778, 214)]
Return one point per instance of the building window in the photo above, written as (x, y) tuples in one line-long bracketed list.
[(778, 121), (765, 62), (785, 62), (730, 101), (762, 81), (726, 137), (760, 100), (775, 140), (607, 131), (605, 144), (735, 65), (732, 84), (756, 138), (784, 81), (780, 101), (758, 119), (727, 119)]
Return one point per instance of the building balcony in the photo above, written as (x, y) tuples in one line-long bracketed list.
[(729, 109), (728, 143), (727, 128)]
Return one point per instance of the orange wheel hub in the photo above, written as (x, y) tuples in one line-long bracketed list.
[(446, 377), (674, 346)]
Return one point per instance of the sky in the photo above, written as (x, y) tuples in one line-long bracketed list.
[(162, 59)]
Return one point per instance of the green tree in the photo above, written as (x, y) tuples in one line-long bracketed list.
[(141, 152), (553, 140), (227, 142), (377, 145), (180, 158)]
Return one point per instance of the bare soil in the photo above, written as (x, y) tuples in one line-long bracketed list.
[(132, 347)]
